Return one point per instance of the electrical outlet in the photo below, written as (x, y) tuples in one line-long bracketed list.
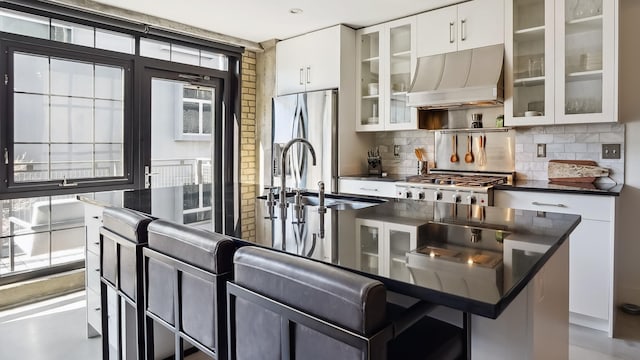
[(396, 150), (611, 151), (542, 150)]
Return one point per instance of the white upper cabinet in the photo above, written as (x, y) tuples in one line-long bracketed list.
[(586, 61), (468, 25), (309, 62), (561, 65), (385, 66)]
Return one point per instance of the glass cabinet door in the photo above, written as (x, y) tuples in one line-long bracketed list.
[(401, 239), (586, 61), (400, 69), (369, 89), (369, 256), (530, 79)]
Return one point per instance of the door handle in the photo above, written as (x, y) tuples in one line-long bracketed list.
[(147, 176), (547, 204), (451, 36), (463, 29), (308, 74), (301, 76)]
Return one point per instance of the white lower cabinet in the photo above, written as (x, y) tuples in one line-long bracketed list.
[(591, 269), (367, 187), (93, 221), (382, 245)]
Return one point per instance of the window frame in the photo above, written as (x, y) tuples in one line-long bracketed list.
[(200, 135), (11, 43)]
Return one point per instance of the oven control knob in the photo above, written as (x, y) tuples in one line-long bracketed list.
[(456, 198), (408, 195), (471, 199), (421, 195), (437, 195)]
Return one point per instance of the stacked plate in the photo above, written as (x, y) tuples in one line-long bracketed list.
[(591, 61)]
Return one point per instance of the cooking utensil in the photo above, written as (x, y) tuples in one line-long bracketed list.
[(454, 142), (418, 154), (482, 156), (468, 157)]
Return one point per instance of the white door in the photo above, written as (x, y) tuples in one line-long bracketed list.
[(437, 31), (480, 23), (290, 76), (322, 62)]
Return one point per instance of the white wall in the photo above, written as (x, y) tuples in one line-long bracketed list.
[(628, 234)]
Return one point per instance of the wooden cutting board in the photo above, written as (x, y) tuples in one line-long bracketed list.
[(575, 171)]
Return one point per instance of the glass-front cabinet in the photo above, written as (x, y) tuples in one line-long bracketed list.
[(530, 81), (386, 61), (382, 247), (586, 44), (561, 62)]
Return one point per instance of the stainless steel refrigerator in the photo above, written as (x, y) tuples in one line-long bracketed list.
[(313, 116)]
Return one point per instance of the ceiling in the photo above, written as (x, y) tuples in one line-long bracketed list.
[(261, 20)]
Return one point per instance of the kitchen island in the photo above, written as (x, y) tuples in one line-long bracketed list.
[(500, 273)]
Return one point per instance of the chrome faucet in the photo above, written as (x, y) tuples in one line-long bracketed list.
[(283, 164), (321, 207)]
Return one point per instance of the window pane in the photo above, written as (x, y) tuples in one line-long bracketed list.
[(24, 24), (190, 92), (72, 161), (110, 40), (191, 118), (67, 245), (71, 78), (31, 162), (30, 73), (109, 82), (31, 113), (71, 119), (109, 120), (32, 251), (207, 119), (155, 49), (109, 160), (185, 55), (214, 61), (71, 33)]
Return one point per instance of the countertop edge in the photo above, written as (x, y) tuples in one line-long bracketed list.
[(543, 187)]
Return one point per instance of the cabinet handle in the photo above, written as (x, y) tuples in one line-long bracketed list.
[(368, 189), (96, 270), (451, 36), (97, 309), (96, 243), (95, 217), (301, 76), (308, 74), (463, 29), (545, 204)]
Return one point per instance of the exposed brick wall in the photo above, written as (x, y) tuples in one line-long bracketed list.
[(248, 145)]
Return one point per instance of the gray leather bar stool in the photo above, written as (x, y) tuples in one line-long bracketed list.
[(186, 270), (281, 306), (122, 236)]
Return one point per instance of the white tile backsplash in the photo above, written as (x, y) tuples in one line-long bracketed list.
[(564, 142), (567, 142)]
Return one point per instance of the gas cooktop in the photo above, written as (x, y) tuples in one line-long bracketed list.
[(459, 180)]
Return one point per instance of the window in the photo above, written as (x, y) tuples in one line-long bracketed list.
[(68, 119), (197, 117)]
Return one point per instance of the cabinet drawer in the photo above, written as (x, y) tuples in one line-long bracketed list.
[(92, 266), (369, 188), (588, 206), (93, 310)]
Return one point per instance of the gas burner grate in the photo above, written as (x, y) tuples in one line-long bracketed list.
[(458, 180)]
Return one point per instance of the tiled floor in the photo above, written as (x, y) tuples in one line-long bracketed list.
[(56, 330)]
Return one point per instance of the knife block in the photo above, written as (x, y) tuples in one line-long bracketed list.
[(374, 165)]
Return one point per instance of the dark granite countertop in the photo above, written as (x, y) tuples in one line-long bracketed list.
[(471, 258), (606, 189)]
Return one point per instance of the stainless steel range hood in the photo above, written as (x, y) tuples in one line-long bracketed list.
[(468, 78)]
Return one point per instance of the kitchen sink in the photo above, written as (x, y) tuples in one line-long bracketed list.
[(332, 201)]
